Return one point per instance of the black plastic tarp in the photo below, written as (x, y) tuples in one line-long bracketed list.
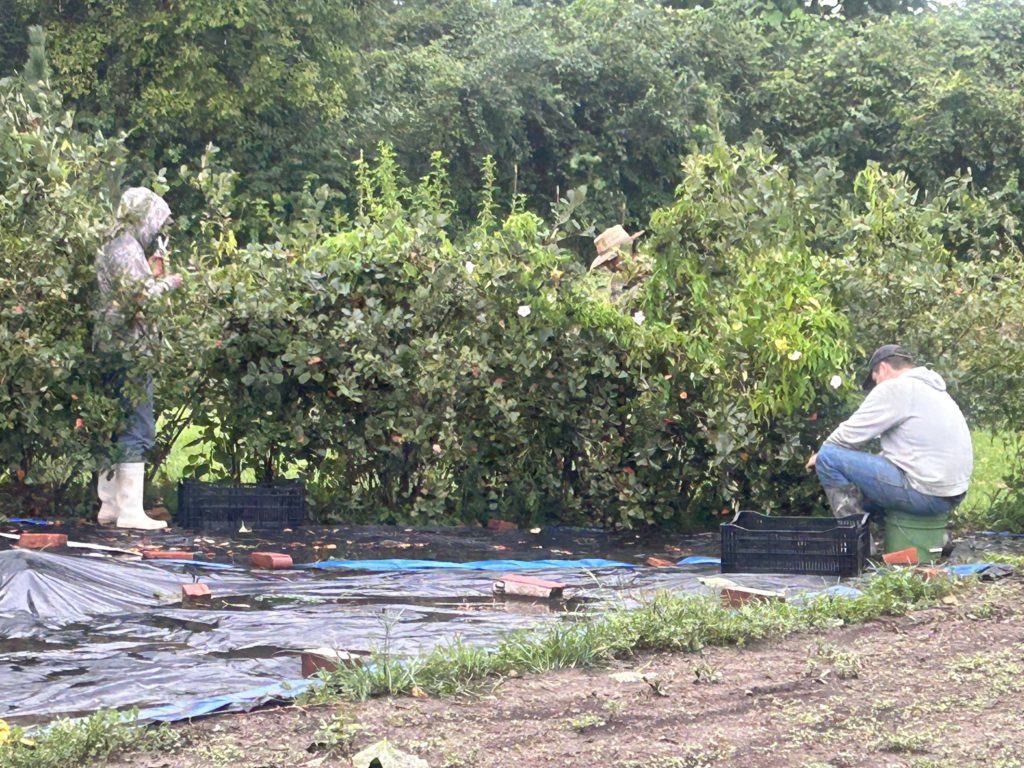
[(80, 632)]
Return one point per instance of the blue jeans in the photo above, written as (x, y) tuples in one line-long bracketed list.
[(883, 484), (139, 432)]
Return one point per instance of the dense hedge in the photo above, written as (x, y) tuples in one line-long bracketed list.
[(416, 368)]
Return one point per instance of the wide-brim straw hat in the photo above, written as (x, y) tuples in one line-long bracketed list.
[(608, 243)]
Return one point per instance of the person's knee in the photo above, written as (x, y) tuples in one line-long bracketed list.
[(826, 464), (828, 454)]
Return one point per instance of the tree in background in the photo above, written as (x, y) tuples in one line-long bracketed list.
[(267, 82), (606, 93)]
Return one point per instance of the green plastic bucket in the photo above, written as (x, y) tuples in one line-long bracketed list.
[(925, 532)]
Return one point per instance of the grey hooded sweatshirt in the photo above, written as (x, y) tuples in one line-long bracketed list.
[(122, 263), (921, 428)]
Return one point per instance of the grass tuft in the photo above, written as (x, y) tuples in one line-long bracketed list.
[(72, 743), (668, 622)]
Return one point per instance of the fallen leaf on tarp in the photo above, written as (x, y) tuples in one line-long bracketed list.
[(385, 755)]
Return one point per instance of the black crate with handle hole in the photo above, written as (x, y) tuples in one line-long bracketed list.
[(225, 506), (819, 546)]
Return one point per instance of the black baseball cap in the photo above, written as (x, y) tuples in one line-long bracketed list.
[(884, 352)]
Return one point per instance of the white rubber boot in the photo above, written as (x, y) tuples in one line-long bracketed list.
[(106, 489), (130, 514)]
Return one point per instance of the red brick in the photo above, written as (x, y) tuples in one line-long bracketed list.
[(273, 561), (658, 562), (501, 525), (42, 540), (930, 573), (159, 513), (514, 585), (328, 660), (734, 597), (906, 556), (167, 554), (196, 591)]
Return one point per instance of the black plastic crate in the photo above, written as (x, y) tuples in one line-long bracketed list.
[(821, 546), (224, 506)]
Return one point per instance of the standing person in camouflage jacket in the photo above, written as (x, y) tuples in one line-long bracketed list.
[(128, 278)]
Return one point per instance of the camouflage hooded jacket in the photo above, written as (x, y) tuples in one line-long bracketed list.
[(121, 267)]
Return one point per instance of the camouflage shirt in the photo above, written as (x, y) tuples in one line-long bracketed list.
[(121, 266)]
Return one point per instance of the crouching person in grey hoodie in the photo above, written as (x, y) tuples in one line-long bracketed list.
[(926, 457), (127, 280)]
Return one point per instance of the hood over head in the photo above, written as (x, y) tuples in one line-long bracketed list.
[(142, 213)]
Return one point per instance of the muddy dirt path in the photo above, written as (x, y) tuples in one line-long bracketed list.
[(943, 687)]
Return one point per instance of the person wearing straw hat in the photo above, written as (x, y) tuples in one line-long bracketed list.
[(615, 256), (926, 457), (610, 253)]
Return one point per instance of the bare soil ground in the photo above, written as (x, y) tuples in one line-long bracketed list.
[(942, 687)]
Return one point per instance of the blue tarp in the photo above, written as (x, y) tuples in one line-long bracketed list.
[(477, 565), (993, 570), (242, 701), (700, 560)]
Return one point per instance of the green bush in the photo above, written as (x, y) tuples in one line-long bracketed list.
[(737, 276), (55, 418), (413, 377)]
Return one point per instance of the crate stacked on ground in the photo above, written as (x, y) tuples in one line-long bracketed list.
[(823, 546), (225, 506)]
